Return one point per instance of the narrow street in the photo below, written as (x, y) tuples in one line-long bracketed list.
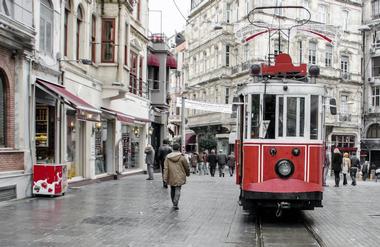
[(136, 212)]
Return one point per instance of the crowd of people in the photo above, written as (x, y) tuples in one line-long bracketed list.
[(347, 165)]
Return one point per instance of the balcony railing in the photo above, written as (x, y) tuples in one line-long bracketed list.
[(138, 87)]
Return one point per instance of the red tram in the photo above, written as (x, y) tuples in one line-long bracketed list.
[(280, 134)]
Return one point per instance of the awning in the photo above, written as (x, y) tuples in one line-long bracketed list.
[(153, 60), (171, 62), (85, 111), (124, 117)]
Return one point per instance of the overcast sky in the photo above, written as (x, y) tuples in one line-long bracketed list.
[(172, 20)]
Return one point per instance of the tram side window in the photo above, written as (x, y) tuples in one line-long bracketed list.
[(291, 123), (255, 116), (314, 117), (269, 116), (246, 115)]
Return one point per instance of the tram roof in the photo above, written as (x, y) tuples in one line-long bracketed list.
[(288, 87)]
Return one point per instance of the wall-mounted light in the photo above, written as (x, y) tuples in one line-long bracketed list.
[(96, 128), (136, 131), (150, 130)]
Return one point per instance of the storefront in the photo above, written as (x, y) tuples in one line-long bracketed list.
[(60, 119), (131, 141)]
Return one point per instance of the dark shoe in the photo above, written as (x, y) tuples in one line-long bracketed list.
[(336, 185), (149, 179)]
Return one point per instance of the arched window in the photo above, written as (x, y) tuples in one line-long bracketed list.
[(3, 108), (46, 27), (66, 24), (373, 131), (79, 27)]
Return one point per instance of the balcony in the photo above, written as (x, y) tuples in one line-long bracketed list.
[(344, 75), (138, 87)]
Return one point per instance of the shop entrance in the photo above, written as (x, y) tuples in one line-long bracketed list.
[(375, 158), (131, 141)]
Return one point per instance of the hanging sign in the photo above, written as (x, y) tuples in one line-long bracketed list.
[(204, 106)]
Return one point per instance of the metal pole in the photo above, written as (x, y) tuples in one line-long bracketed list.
[(183, 135)]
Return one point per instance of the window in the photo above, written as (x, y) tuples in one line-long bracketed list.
[(328, 56), (247, 9), (79, 27), (345, 14), (227, 96), (227, 55), (376, 96), (141, 76), (314, 120), (93, 39), (375, 8), (343, 141), (300, 50), (133, 73), (228, 13), (3, 109), (66, 24), (293, 110), (205, 61), (373, 131), (343, 104), (303, 13), (255, 116), (323, 14), (278, 11), (6, 7), (108, 40), (375, 66), (344, 64), (216, 54), (376, 39), (246, 52), (46, 27), (312, 53)]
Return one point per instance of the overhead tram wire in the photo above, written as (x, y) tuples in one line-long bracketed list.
[(175, 4)]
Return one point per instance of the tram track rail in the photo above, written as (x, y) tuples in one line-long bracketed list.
[(275, 231)]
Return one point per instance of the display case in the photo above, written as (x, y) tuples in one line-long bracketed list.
[(42, 127)]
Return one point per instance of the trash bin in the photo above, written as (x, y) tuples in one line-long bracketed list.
[(49, 179)]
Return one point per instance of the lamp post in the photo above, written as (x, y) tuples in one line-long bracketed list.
[(183, 124)]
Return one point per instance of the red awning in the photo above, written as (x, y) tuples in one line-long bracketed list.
[(171, 62), (124, 117), (82, 106), (153, 60)]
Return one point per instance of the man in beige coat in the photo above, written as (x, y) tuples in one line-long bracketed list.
[(176, 168)]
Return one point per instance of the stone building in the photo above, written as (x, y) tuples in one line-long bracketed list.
[(17, 40), (371, 79), (218, 61)]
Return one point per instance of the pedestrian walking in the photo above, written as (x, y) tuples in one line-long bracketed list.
[(222, 161), (326, 167), (176, 169), (337, 165), (346, 165), (149, 160), (202, 166), (355, 167), (163, 151), (231, 163), (365, 170), (212, 160), (194, 162)]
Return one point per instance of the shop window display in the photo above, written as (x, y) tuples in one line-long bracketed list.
[(100, 147), (45, 133), (71, 144), (131, 146)]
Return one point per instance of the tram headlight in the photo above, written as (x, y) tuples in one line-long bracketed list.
[(284, 168)]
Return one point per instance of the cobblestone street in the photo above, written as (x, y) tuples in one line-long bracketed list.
[(136, 212)]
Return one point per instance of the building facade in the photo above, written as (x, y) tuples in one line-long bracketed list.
[(17, 43), (218, 60), (371, 79)]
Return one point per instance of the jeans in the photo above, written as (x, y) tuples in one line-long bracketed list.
[(212, 169), (353, 175), (337, 178), (175, 193), (344, 179), (150, 171), (221, 170), (231, 170), (202, 168)]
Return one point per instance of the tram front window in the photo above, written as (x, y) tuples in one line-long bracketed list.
[(292, 109), (255, 116), (269, 117)]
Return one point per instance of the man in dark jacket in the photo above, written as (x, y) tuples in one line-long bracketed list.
[(176, 169), (222, 161), (337, 165), (355, 167), (163, 151), (212, 160)]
